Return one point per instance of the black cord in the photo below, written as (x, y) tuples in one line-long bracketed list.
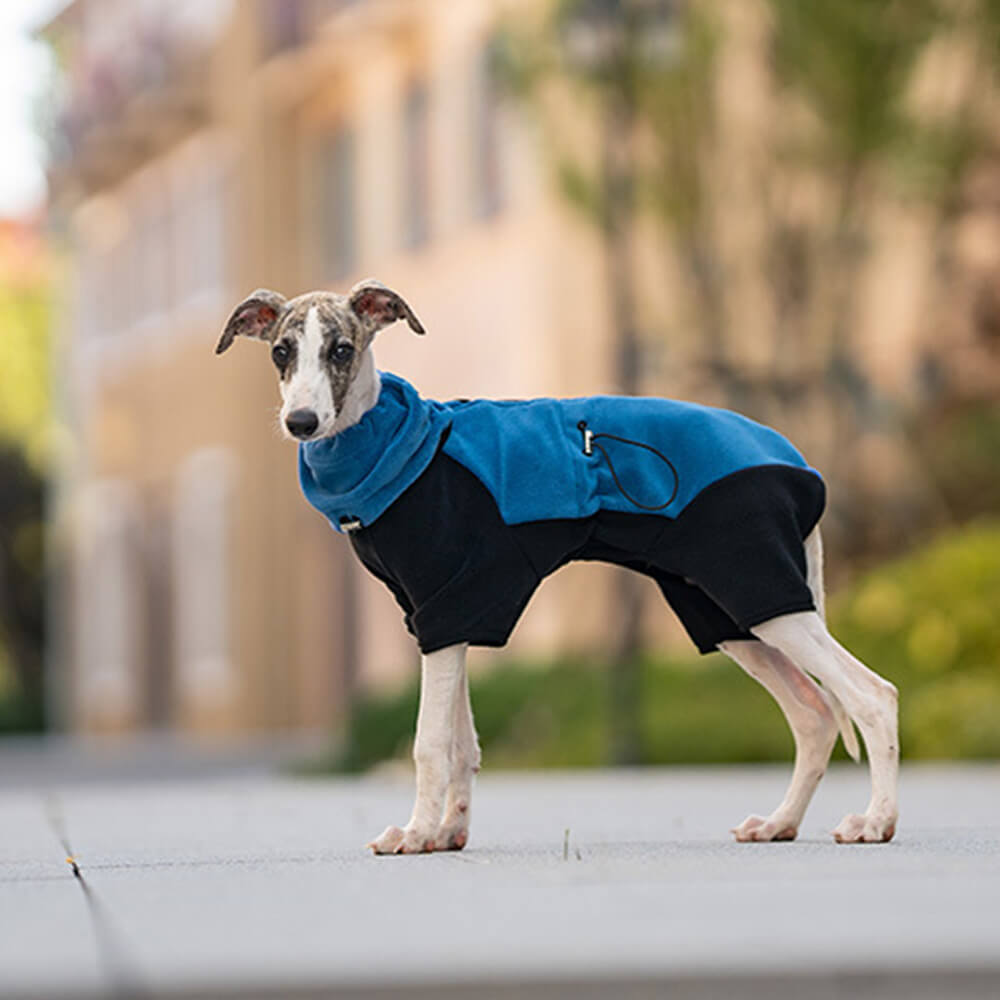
[(590, 438)]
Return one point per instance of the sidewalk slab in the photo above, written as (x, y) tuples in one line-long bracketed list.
[(260, 886)]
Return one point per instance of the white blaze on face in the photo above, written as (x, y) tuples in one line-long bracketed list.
[(309, 388)]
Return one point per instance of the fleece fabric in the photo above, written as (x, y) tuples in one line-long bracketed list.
[(530, 454), (462, 508)]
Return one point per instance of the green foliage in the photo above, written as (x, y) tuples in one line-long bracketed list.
[(557, 715), (676, 98), (932, 157), (928, 622), (960, 449), (634, 62), (25, 429), (20, 711), (851, 61), (582, 191), (24, 369), (983, 17), (21, 592)]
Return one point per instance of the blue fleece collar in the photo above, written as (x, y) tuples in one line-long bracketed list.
[(357, 474)]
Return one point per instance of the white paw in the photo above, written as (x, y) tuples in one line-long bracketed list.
[(757, 828), (403, 840), (855, 828), (452, 836)]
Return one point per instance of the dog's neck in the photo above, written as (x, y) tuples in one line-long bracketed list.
[(361, 396)]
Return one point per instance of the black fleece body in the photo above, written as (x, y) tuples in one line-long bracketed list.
[(733, 558)]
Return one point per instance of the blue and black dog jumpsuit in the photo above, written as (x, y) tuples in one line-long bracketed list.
[(462, 508)]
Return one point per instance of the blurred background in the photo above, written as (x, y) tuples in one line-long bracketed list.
[(788, 209)]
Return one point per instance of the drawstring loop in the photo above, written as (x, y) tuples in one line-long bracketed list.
[(590, 443)]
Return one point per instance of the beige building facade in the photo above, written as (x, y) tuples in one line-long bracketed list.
[(208, 148), (292, 146)]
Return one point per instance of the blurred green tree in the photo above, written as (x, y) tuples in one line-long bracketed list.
[(24, 369), (22, 592), (856, 129), (25, 430), (880, 132), (629, 95)]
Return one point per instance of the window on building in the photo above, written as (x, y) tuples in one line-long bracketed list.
[(286, 24), (203, 580), (153, 260), (120, 278), (416, 166), (282, 25), (487, 181), (100, 302), (88, 298), (337, 190), (209, 246), (199, 233), (106, 611), (109, 274)]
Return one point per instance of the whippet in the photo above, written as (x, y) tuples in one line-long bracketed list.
[(461, 508)]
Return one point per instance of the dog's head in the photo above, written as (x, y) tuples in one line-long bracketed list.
[(319, 343)]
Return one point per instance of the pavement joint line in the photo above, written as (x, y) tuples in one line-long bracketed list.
[(13, 879), (118, 968)]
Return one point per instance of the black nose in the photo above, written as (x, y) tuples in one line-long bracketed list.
[(302, 423)]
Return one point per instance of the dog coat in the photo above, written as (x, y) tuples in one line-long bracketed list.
[(462, 508)]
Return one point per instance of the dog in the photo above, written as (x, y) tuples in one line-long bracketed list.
[(462, 508)]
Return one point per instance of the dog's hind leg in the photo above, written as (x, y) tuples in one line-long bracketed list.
[(870, 701), (814, 729), (813, 546), (454, 832), (441, 678)]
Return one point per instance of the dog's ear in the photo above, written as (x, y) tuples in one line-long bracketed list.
[(256, 316), (378, 306)]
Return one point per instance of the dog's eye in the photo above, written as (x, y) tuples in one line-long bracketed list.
[(280, 355), (342, 353)]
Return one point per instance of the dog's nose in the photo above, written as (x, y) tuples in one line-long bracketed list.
[(302, 423)]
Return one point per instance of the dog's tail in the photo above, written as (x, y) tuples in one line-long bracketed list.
[(814, 577), (814, 570)]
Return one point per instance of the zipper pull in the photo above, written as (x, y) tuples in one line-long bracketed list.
[(588, 438)]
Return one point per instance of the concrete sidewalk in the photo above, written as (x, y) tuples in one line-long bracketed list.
[(259, 886)]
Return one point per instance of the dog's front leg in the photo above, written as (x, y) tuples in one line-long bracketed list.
[(440, 688), (454, 832)]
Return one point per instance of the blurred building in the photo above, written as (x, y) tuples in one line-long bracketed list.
[(204, 148), (207, 148)]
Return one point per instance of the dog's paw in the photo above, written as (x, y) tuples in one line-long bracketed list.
[(402, 840), (452, 836), (855, 828), (757, 828)]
